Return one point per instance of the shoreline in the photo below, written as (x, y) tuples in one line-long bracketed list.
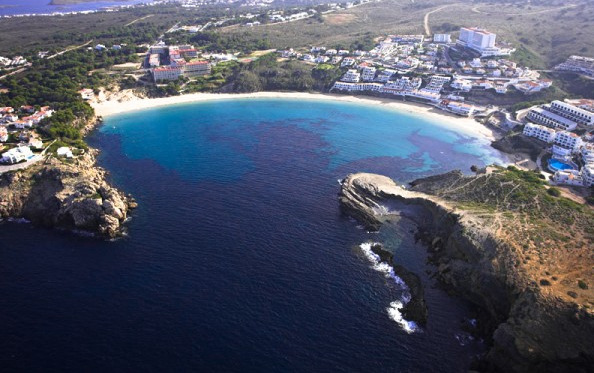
[(126, 101)]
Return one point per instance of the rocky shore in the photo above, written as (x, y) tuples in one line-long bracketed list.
[(66, 194), (528, 326)]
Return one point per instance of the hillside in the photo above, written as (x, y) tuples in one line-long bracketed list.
[(503, 242)]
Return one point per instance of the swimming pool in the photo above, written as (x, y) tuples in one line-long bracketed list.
[(557, 165)]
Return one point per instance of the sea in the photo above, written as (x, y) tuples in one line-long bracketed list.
[(17, 7), (238, 258)]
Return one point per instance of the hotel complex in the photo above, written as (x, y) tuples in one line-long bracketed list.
[(555, 123), (481, 41), (182, 61)]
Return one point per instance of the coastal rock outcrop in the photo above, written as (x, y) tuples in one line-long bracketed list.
[(531, 326), (66, 194)]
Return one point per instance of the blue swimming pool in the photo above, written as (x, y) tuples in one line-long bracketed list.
[(556, 165)]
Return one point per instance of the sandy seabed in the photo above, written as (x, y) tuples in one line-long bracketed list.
[(126, 101)]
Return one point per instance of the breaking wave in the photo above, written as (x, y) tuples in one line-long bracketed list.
[(395, 308)]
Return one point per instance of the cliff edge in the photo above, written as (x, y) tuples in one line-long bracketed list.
[(65, 194), (499, 240)]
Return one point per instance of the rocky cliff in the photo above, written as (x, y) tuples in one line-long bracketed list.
[(468, 223), (65, 194)]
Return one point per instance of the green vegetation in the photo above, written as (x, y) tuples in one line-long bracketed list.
[(55, 83), (582, 285), (267, 73), (554, 192)]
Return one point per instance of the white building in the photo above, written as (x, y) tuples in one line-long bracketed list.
[(368, 74), (442, 38), (481, 41), (578, 64), (572, 112), (542, 133), (64, 151), (18, 154), (348, 61), (87, 94), (436, 83), (154, 60), (3, 134), (588, 174), (460, 108), (196, 68), (542, 116), (167, 73), (569, 177), (385, 75), (351, 76), (588, 153), (568, 140), (462, 84)]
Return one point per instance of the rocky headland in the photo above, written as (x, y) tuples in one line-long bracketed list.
[(65, 194), (498, 239)]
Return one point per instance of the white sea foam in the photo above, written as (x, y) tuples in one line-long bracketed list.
[(395, 309), (18, 220), (395, 314)]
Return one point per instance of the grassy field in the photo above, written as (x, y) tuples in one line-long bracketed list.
[(544, 35)]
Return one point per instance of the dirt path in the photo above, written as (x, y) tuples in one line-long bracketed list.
[(70, 49), (426, 18), (137, 20)]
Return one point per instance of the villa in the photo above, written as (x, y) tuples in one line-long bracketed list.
[(16, 155), (568, 177)]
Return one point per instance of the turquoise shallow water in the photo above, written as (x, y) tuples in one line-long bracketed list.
[(206, 141), (238, 258)]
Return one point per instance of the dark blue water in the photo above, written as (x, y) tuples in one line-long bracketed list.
[(238, 258), (13, 7)]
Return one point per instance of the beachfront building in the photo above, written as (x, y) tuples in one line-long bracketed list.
[(404, 84), (167, 73), (368, 74), (16, 155), (568, 140), (571, 112), (542, 133), (196, 68), (543, 116), (351, 76), (436, 83), (357, 87), (385, 75), (87, 94), (460, 108)]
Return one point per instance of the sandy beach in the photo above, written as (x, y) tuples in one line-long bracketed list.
[(126, 101)]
